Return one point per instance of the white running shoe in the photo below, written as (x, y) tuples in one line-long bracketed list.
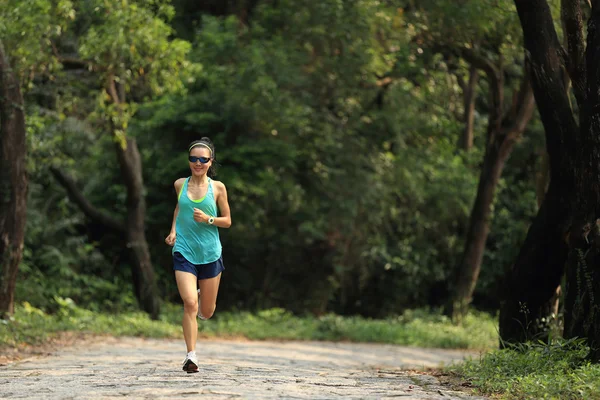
[(190, 364)]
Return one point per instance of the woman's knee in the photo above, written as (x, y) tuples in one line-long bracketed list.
[(207, 310), (190, 304)]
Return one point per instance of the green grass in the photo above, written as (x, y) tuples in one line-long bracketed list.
[(535, 371), (30, 325), (416, 328)]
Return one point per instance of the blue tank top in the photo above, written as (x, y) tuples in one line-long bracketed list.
[(198, 242)]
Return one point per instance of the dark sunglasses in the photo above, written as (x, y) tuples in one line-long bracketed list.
[(203, 160)]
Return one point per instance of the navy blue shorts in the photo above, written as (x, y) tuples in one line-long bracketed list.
[(202, 271)]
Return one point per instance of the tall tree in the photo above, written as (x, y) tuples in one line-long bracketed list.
[(127, 46), (13, 182), (26, 28), (504, 129), (582, 316), (487, 42), (569, 210)]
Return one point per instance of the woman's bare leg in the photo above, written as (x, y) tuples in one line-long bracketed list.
[(209, 288), (186, 283)]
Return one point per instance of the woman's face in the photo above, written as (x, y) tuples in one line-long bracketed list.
[(197, 155)]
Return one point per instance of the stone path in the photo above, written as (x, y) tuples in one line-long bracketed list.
[(135, 368)]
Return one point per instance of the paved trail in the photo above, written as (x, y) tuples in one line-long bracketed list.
[(136, 368)]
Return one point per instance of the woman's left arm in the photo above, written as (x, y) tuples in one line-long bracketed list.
[(224, 220)]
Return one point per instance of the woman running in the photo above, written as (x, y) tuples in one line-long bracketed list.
[(202, 208)]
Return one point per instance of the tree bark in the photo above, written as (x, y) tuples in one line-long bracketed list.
[(532, 282), (130, 164), (542, 178), (582, 312), (469, 91), (572, 21), (499, 146), (13, 182)]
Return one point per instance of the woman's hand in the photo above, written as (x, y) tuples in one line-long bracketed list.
[(200, 216), (170, 240)]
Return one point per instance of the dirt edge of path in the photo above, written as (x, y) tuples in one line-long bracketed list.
[(45, 348)]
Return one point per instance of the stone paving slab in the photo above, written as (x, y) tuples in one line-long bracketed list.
[(136, 368)]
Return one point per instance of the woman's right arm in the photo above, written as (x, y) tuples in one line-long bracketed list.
[(178, 185), (173, 230), (170, 240)]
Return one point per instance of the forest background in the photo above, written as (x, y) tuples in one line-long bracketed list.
[(414, 172), (351, 137), (380, 156)]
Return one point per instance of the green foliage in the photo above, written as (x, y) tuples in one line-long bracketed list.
[(32, 325), (29, 29), (336, 181), (469, 22), (335, 127), (424, 215), (550, 371), (74, 268), (129, 46), (417, 328), (130, 41), (414, 328)]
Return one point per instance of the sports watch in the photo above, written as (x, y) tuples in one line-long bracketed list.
[(211, 220)]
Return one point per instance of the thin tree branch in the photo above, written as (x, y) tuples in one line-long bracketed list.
[(88, 209), (525, 107), (496, 83), (122, 94), (491, 70), (111, 88), (469, 94), (461, 81)]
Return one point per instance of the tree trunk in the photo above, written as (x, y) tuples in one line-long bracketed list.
[(530, 287), (130, 164), (469, 90), (582, 291), (500, 142), (479, 221), (542, 178), (531, 284), (13, 183), (144, 281)]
